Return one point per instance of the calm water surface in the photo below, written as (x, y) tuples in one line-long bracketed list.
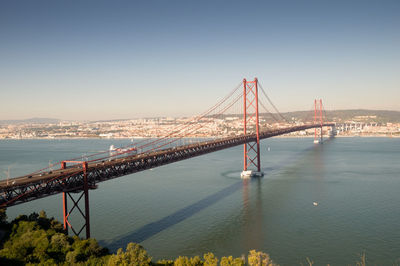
[(201, 205)]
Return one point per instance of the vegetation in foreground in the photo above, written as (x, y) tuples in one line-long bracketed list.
[(38, 240)]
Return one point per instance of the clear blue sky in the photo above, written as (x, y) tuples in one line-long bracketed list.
[(125, 59)]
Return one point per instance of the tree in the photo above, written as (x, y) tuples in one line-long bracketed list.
[(82, 250), (3, 216), (135, 255), (210, 259), (259, 258), (230, 261), (185, 261), (39, 240)]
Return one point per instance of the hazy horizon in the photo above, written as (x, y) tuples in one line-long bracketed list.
[(161, 116), (106, 60)]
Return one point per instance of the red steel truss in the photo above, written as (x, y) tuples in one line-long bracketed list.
[(83, 192)]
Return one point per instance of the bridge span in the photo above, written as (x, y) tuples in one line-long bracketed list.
[(30, 187), (76, 179)]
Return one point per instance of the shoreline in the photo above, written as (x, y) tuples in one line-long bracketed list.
[(139, 138)]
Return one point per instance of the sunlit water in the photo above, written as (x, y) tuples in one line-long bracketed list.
[(201, 205)]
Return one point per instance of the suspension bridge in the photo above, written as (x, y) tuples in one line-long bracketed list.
[(75, 177)]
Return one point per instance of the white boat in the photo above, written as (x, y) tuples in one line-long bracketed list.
[(251, 173), (315, 203), (114, 150), (317, 141)]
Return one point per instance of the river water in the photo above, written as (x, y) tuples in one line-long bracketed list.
[(201, 204)]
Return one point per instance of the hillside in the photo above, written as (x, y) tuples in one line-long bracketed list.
[(380, 116)]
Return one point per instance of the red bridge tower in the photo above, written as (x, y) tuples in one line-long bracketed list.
[(251, 126)]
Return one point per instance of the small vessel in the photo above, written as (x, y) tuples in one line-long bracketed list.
[(122, 150), (315, 203), (251, 173)]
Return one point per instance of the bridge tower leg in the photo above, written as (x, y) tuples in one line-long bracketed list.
[(84, 193), (251, 150), (318, 119)]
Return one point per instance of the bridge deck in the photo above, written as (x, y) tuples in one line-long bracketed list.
[(30, 187)]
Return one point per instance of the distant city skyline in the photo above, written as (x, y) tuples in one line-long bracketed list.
[(100, 60)]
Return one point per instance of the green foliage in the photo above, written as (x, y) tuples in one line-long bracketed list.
[(27, 243), (82, 250), (165, 262), (196, 261), (210, 259), (185, 261), (182, 261), (3, 216), (230, 261), (135, 255), (35, 239), (259, 258)]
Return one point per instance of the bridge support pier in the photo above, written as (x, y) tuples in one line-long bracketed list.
[(251, 150), (82, 194)]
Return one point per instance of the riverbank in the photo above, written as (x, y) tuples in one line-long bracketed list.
[(142, 138)]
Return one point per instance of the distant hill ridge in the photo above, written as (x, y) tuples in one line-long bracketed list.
[(382, 116), (34, 120)]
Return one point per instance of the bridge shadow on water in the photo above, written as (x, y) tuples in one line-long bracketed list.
[(151, 229), (154, 228)]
